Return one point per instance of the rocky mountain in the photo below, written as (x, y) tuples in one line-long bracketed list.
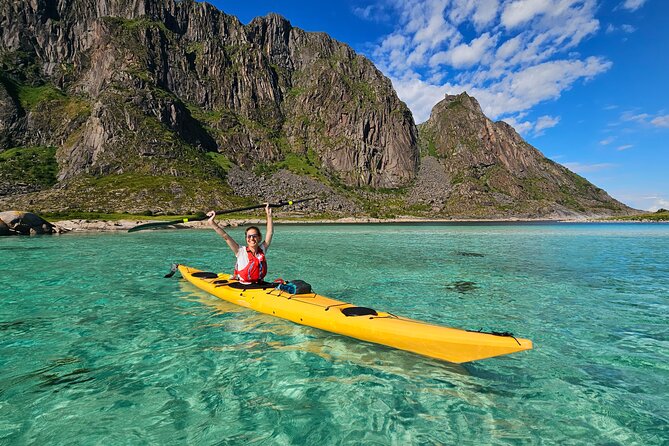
[(169, 106), (487, 166)]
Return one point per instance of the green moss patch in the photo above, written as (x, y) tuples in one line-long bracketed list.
[(29, 97)]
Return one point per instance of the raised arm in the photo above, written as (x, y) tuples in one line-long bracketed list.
[(229, 240), (270, 226)]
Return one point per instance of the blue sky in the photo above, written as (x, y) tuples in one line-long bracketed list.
[(584, 81)]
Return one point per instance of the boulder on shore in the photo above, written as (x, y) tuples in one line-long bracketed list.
[(24, 223), (4, 229)]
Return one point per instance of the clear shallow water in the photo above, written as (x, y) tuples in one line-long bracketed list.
[(96, 347)]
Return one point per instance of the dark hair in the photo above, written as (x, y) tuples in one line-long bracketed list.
[(253, 227)]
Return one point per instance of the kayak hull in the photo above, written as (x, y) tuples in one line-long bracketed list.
[(444, 343)]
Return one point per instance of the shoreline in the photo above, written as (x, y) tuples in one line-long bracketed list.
[(83, 225)]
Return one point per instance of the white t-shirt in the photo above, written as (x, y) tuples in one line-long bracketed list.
[(243, 257)]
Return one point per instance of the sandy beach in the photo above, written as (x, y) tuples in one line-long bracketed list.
[(81, 225)]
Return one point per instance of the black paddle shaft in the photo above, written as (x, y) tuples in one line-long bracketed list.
[(226, 211)]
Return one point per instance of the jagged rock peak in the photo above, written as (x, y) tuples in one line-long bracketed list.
[(467, 101)]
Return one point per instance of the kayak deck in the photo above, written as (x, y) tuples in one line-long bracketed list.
[(314, 310)]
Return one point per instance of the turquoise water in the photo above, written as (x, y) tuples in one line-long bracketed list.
[(96, 347)]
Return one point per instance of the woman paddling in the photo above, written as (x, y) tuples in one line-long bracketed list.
[(251, 265)]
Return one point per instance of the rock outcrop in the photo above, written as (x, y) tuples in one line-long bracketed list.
[(24, 223)]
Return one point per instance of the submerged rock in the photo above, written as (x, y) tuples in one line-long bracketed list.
[(461, 286), (24, 223), (468, 254)]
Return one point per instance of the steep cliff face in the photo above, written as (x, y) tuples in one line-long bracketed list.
[(486, 166), (150, 87)]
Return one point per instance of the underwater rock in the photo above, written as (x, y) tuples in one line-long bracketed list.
[(468, 254), (461, 286)]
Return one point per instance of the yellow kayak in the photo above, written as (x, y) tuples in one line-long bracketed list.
[(366, 324)]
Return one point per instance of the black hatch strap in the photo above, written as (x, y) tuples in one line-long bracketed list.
[(506, 334), (390, 316), (336, 305)]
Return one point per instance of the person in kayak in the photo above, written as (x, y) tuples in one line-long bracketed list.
[(251, 266)]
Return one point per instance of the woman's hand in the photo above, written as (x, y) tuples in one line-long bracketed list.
[(212, 216), (268, 210)]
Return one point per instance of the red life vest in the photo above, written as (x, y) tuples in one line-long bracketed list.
[(255, 270)]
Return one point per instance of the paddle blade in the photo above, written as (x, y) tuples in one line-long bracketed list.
[(159, 224), (173, 269)]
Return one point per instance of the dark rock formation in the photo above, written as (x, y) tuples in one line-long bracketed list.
[(24, 223)]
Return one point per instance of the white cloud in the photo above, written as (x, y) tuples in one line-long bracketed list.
[(629, 116), (659, 203), (588, 168), (509, 47), (650, 202), (486, 12), (628, 29), (661, 121), (523, 52), (536, 128), (632, 5), (545, 122), (645, 119), (465, 55), (607, 141), (421, 95), (522, 127), (526, 88), (624, 147), (521, 11)]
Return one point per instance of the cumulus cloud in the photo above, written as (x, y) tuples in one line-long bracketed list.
[(520, 54), (466, 54), (545, 122), (521, 11)]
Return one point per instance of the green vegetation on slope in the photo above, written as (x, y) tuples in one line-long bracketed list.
[(660, 215), (29, 165)]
